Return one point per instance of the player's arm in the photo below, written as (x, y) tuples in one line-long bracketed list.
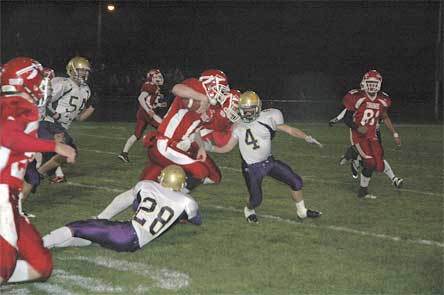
[(56, 95), (144, 104), (337, 118), (185, 91), (118, 204), (390, 127), (192, 212), (22, 143), (296, 132), (86, 113), (226, 148), (201, 153)]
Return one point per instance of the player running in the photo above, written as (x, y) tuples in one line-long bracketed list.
[(254, 134), (23, 85), (150, 100), (158, 206)]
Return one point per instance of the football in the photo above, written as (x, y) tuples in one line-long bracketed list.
[(191, 104)]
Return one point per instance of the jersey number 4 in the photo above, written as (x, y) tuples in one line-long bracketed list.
[(250, 140), (149, 205)]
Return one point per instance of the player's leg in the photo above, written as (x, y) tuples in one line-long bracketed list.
[(8, 258), (253, 176), (151, 172), (35, 260), (141, 123), (396, 181), (114, 235), (282, 172), (369, 163), (62, 237)]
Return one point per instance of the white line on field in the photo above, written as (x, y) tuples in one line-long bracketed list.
[(329, 227), (90, 284), (52, 289), (164, 278), (12, 290)]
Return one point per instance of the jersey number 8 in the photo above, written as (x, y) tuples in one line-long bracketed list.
[(149, 205)]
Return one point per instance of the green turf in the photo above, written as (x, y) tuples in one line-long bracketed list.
[(356, 247)]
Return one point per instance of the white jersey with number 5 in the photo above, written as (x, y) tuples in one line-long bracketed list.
[(159, 208), (255, 137), (68, 99)]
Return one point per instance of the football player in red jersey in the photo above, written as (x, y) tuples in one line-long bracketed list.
[(180, 128), (23, 85), (150, 99), (365, 108)]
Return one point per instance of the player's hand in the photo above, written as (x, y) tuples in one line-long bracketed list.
[(66, 151), (362, 129), (309, 139), (56, 116), (203, 106), (397, 139), (201, 154), (150, 113), (332, 122)]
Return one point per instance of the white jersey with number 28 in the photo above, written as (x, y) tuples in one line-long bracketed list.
[(255, 137), (159, 208)]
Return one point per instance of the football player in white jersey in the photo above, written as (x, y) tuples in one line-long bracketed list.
[(71, 100), (254, 134), (158, 206)]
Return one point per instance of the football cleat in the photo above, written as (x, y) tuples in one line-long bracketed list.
[(364, 194), (124, 157), (250, 215), (310, 214), (57, 179), (397, 182), (354, 169), (28, 215)]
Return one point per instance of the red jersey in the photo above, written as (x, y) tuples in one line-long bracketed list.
[(367, 111), (154, 96), (179, 122), (18, 139)]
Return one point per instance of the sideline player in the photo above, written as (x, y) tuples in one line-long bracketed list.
[(71, 100), (23, 85), (254, 134), (365, 108), (158, 206), (150, 99)]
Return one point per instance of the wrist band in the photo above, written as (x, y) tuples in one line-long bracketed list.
[(395, 134)]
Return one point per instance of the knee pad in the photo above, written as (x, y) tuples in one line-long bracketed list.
[(297, 184)]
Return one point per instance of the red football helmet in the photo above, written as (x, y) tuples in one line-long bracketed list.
[(230, 106), (216, 86), (24, 74), (154, 76), (371, 81)]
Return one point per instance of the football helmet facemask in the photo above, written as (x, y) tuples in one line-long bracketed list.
[(24, 74), (215, 83), (154, 76), (78, 69), (250, 106), (230, 106), (173, 177), (371, 82)]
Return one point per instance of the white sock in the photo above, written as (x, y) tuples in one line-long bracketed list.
[(59, 172), (364, 180), (207, 181), (300, 209), (248, 212), (120, 203), (21, 272), (39, 158), (388, 170), (129, 143), (58, 236)]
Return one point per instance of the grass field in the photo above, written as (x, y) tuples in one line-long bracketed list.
[(391, 245)]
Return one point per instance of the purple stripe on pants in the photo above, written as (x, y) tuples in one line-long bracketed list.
[(114, 235), (255, 173)]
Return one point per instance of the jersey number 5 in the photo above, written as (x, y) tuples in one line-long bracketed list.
[(249, 139), (149, 205)]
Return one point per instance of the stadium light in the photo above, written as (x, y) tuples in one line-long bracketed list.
[(111, 7)]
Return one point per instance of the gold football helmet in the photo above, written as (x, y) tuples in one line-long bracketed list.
[(172, 177), (78, 69), (250, 106)]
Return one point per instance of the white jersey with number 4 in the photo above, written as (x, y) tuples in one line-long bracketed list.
[(255, 137), (68, 99), (159, 208)]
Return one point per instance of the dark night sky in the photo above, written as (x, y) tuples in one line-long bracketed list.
[(256, 43)]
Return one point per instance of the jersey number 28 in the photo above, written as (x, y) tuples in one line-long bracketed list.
[(147, 206)]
